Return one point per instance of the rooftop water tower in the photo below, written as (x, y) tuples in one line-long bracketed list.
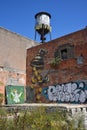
[(42, 25)]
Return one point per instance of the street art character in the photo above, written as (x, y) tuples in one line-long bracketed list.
[(16, 96), (37, 65)]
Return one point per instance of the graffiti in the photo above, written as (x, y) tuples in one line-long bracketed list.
[(38, 76), (73, 92), (37, 65), (38, 60), (15, 94)]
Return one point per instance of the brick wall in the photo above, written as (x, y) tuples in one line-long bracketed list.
[(78, 39), (68, 70)]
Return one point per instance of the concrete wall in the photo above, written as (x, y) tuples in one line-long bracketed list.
[(13, 50), (13, 57)]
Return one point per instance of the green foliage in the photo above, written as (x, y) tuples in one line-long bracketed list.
[(39, 119), (55, 61)]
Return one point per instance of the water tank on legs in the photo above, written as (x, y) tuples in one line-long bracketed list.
[(42, 25)]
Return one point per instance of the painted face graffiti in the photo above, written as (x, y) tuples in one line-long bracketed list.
[(73, 92)]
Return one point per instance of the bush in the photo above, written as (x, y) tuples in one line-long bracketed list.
[(39, 119), (55, 61)]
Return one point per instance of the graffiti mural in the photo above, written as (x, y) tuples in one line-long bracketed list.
[(15, 94), (37, 65), (73, 92)]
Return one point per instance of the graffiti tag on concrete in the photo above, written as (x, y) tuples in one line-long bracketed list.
[(73, 92)]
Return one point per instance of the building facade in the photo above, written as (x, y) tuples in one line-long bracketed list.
[(13, 58), (56, 71)]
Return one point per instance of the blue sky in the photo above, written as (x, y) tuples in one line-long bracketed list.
[(67, 16)]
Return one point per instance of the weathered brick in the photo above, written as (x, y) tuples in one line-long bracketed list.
[(67, 70)]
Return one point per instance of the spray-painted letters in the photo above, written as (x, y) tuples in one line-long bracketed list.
[(73, 92)]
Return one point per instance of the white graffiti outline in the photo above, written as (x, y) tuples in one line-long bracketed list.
[(68, 92)]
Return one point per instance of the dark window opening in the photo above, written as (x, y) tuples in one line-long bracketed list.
[(64, 54), (65, 51)]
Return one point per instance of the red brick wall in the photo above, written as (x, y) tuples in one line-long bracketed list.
[(78, 39), (68, 70)]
